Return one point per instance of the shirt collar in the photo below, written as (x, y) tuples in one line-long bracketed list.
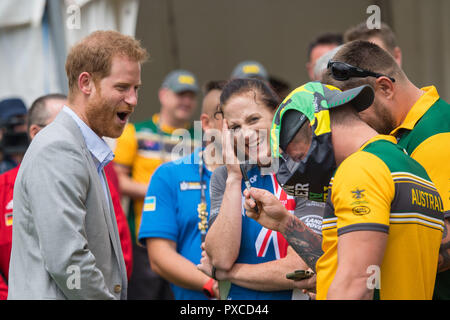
[(379, 137), (99, 149), (166, 128), (418, 109)]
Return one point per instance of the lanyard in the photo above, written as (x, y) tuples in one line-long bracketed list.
[(201, 208)]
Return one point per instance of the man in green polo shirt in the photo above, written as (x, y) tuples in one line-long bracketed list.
[(417, 117)]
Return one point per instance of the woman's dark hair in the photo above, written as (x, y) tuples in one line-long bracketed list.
[(213, 85), (262, 91)]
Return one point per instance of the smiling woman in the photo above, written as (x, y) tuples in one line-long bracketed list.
[(247, 106), (255, 260)]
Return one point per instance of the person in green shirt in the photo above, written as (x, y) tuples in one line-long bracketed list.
[(417, 117)]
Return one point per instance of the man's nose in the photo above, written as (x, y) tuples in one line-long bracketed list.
[(132, 98)]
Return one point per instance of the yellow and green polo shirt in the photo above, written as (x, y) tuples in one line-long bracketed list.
[(425, 135), (380, 188), (143, 147)]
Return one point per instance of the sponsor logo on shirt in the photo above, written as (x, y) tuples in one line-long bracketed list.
[(358, 193), (313, 222), (8, 219), (361, 210), (195, 185), (150, 203), (8, 214), (359, 205)]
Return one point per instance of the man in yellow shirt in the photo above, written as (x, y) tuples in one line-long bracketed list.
[(417, 117), (383, 220), (139, 151)]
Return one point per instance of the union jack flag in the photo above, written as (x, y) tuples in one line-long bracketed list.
[(266, 236)]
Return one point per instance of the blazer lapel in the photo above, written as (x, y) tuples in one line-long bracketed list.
[(108, 210)]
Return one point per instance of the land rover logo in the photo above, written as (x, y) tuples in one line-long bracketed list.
[(361, 210)]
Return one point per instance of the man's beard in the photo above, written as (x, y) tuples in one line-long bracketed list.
[(101, 117), (383, 122)]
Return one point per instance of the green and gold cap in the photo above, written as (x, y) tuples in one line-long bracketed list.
[(250, 69), (180, 80), (312, 102)]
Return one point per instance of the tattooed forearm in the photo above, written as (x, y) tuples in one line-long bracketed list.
[(304, 241), (444, 250)]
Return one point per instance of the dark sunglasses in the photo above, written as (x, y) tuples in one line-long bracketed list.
[(342, 71)]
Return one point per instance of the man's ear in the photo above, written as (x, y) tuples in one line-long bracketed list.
[(398, 56), (85, 83), (384, 86), (205, 120), (162, 94), (33, 131)]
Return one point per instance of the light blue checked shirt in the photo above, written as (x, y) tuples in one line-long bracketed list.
[(101, 153)]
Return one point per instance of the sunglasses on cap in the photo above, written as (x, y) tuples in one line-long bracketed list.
[(342, 71)]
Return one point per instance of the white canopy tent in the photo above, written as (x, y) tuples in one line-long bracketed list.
[(35, 36)]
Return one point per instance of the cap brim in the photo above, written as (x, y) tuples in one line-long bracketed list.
[(360, 98), (291, 123), (6, 117), (184, 88)]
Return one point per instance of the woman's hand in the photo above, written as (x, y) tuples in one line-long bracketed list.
[(229, 156), (205, 266)]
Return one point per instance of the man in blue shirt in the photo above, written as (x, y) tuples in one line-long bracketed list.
[(175, 213)]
